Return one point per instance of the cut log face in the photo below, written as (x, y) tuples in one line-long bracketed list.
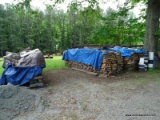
[(112, 63)]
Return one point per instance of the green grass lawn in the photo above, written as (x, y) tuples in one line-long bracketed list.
[(58, 63), (51, 64), (55, 63), (1, 69)]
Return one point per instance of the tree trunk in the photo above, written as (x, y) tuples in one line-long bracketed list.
[(152, 26)]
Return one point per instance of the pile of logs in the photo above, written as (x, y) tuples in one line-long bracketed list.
[(131, 63), (36, 82), (80, 66), (112, 63), (48, 56)]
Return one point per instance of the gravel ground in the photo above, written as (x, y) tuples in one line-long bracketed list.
[(73, 95), (16, 102)]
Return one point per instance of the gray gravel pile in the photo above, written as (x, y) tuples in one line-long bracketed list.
[(16, 101)]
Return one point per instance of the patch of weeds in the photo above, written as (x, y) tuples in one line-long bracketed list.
[(70, 101), (73, 101), (124, 85), (154, 71), (43, 101), (154, 75), (64, 116), (143, 81), (140, 87), (140, 82), (145, 78), (109, 98), (83, 106), (112, 88), (50, 91), (70, 117)]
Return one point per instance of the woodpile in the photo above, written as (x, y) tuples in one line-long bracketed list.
[(48, 56), (59, 54), (112, 63), (80, 66), (131, 63), (36, 82)]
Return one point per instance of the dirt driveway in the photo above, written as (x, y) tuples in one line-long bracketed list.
[(73, 95)]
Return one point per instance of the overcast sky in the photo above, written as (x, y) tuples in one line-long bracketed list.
[(41, 4)]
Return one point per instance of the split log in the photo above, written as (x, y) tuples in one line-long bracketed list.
[(112, 63), (91, 73), (36, 82)]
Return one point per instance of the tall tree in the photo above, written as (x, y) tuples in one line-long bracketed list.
[(152, 24), (51, 30)]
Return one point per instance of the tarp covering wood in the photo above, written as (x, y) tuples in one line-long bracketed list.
[(19, 75), (126, 52), (22, 70), (87, 56), (94, 57), (26, 58)]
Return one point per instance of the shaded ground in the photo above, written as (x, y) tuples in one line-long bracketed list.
[(73, 95)]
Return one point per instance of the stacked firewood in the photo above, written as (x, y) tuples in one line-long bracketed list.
[(48, 56), (81, 66), (131, 63), (36, 82), (112, 63)]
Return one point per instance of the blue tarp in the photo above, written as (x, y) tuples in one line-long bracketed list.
[(126, 52), (94, 57), (87, 56), (139, 51), (19, 75)]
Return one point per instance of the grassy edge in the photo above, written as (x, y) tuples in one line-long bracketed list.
[(51, 64)]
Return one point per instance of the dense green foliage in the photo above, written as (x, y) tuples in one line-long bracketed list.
[(55, 30), (119, 28)]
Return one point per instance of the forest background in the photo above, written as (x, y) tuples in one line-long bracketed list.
[(54, 30)]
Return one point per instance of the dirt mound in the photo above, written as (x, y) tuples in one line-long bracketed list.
[(17, 101)]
